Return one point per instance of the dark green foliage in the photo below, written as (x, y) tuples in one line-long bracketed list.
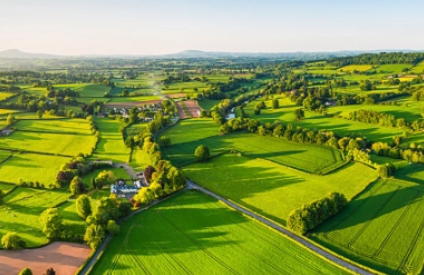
[(83, 206), (202, 153), (25, 271), (308, 217), (12, 241)]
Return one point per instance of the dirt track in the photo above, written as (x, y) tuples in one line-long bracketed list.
[(64, 258)]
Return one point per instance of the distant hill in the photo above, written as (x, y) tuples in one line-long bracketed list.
[(301, 56), (14, 53)]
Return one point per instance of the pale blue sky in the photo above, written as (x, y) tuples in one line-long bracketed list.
[(163, 26)]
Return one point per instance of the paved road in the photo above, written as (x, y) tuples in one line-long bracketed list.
[(311, 246)]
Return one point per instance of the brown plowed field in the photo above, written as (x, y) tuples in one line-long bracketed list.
[(192, 107), (64, 258)]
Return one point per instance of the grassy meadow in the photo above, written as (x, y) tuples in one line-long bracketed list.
[(111, 145), (382, 228), (274, 190), (192, 233)]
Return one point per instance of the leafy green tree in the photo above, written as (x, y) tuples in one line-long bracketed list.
[(76, 186), (51, 223), (12, 241), (202, 153), (299, 114), (39, 114), (275, 104), (165, 141), (94, 235), (83, 206), (105, 178), (25, 271), (112, 227), (1, 195), (10, 119)]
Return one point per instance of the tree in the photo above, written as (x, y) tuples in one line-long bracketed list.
[(275, 104), (50, 271), (39, 114), (76, 186), (1, 195), (112, 227), (10, 119), (105, 178), (165, 141), (299, 114), (25, 271), (202, 153), (83, 206), (51, 223), (12, 241), (94, 235)]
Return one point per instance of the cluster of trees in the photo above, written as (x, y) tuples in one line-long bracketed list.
[(164, 178), (76, 167), (377, 59), (413, 154), (383, 119), (54, 228), (11, 240), (310, 216), (279, 130), (102, 218), (27, 271)]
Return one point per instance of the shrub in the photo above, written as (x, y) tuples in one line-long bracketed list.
[(12, 241)]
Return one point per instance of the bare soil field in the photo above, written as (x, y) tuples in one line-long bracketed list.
[(191, 106), (64, 258), (176, 95)]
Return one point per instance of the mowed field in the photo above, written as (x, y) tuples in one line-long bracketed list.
[(31, 167), (274, 190), (52, 143), (340, 126), (191, 130), (21, 209), (194, 234), (382, 228), (306, 157), (111, 145)]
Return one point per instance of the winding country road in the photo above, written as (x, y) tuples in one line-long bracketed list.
[(304, 242)]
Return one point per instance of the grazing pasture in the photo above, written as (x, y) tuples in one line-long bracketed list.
[(31, 167), (21, 209), (359, 68), (306, 157), (191, 130), (393, 68), (52, 143), (194, 234), (382, 228), (94, 91), (274, 190), (5, 95), (70, 126), (111, 145)]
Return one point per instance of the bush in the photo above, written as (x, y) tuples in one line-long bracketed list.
[(202, 153), (76, 186), (12, 241), (25, 271), (83, 206)]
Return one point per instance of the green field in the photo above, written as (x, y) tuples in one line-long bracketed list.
[(271, 189), (411, 172), (419, 69), (71, 126), (31, 167), (194, 234), (53, 143), (313, 120), (4, 95), (21, 210), (191, 130), (393, 68), (119, 173), (382, 228), (306, 157), (134, 99), (359, 68), (94, 91), (111, 145), (207, 104)]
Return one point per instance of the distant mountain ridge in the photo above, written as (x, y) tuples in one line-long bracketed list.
[(17, 54)]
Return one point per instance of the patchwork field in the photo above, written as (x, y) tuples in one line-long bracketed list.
[(381, 228), (306, 157), (359, 68), (207, 238), (31, 167), (21, 210), (111, 145), (271, 189), (198, 128), (71, 126), (52, 143)]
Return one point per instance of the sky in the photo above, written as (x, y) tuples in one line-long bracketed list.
[(139, 27)]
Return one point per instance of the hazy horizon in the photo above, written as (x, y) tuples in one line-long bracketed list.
[(163, 27)]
